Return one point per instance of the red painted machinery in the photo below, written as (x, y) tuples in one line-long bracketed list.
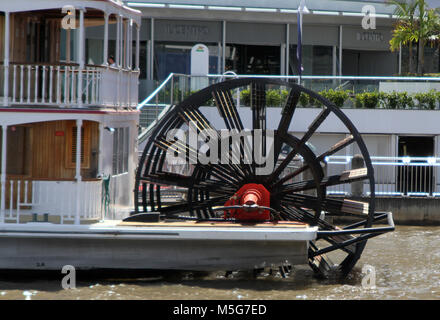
[(248, 203)]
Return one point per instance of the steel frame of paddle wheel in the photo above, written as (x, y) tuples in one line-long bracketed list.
[(210, 186)]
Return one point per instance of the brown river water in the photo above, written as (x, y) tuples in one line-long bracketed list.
[(406, 263)]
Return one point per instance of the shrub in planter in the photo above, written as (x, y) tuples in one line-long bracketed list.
[(357, 100), (273, 98), (406, 101), (368, 100), (245, 97), (315, 103), (284, 96), (437, 94), (338, 97), (426, 100), (304, 100), (398, 100), (382, 100), (392, 100)]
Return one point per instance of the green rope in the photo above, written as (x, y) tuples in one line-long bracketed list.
[(105, 201)]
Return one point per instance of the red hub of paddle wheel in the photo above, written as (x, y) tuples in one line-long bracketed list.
[(250, 197)]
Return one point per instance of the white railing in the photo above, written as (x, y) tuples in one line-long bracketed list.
[(119, 88), (394, 176), (67, 85), (52, 198)]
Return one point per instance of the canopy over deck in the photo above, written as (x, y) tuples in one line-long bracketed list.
[(107, 6)]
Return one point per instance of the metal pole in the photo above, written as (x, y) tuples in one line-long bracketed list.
[(80, 57), (219, 57), (172, 91), (105, 53), (121, 43), (287, 63), (6, 61), (340, 50), (68, 47), (78, 170), (118, 36), (127, 43), (148, 45), (101, 148), (130, 45), (223, 47), (3, 176), (283, 59), (152, 50), (400, 59), (138, 31)]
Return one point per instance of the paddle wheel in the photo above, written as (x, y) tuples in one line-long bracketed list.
[(241, 189)]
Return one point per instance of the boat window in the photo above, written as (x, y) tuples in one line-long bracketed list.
[(120, 150), (71, 145)]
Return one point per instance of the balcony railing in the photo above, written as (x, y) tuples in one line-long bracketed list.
[(67, 85), (28, 200), (394, 176)]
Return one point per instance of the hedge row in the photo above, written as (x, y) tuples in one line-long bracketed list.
[(341, 98), (367, 100)]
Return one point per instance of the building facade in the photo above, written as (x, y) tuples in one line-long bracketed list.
[(261, 37)]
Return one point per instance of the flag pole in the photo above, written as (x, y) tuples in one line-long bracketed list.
[(301, 9)]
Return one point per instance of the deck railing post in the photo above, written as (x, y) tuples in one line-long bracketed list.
[(29, 70)]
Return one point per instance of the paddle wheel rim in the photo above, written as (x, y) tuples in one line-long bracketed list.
[(199, 201)]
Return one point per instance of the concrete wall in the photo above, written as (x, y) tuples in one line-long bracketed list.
[(409, 87), (411, 211), (367, 121)]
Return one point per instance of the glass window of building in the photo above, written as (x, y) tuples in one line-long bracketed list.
[(253, 59), (431, 60), (176, 57), (316, 60)]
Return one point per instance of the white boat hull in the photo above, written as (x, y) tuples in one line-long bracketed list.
[(40, 246)]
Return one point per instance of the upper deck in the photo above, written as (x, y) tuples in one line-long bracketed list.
[(43, 59)]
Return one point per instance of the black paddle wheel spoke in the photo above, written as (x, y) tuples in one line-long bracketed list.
[(258, 105), (312, 128), (337, 147), (334, 207), (185, 207), (286, 118), (295, 189), (228, 111), (344, 178), (207, 132)]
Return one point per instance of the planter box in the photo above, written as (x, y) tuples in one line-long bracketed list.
[(409, 87), (367, 121)]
